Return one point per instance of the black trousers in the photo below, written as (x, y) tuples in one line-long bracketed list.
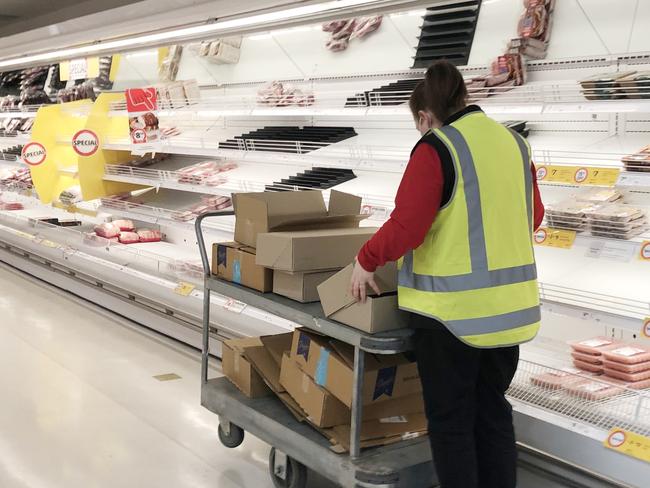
[(470, 420)]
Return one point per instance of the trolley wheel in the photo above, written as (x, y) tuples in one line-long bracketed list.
[(295, 473), (231, 436)]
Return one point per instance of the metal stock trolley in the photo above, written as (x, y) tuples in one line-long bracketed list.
[(297, 446)]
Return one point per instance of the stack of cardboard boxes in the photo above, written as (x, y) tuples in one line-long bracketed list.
[(313, 374), (292, 244)]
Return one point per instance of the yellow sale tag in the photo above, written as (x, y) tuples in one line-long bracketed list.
[(578, 175), (629, 443), (51, 244), (545, 236), (644, 252), (645, 330), (184, 289)]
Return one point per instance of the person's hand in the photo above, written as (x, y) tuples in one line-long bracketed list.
[(360, 281)]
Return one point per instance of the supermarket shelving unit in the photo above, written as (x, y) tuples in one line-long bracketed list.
[(583, 294)]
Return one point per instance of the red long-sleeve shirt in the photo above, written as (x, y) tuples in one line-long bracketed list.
[(417, 203)]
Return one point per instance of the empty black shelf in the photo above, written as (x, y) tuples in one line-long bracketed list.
[(313, 179), (289, 139)]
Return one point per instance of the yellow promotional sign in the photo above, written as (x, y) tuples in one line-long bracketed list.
[(92, 166), (79, 69), (629, 443), (577, 175), (545, 236), (184, 288)]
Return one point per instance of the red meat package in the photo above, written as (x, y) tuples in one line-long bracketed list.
[(129, 237), (628, 354), (594, 368), (107, 230), (587, 358), (149, 235), (594, 389), (557, 379), (632, 377), (124, 225), (627, 368), (593, 346)]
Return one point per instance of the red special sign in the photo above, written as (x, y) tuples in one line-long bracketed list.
[(34, 153), (540, 236), (141, 100), (85, 142)]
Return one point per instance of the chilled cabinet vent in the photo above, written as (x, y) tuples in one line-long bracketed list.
[(313, 179), (290, 139), (447, 33), (395, 93)]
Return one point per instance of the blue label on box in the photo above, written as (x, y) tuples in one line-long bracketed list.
[(236, 271), (321, 368), (385, 382), (303, 346)]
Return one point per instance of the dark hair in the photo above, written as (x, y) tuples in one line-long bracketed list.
[(442, 91)]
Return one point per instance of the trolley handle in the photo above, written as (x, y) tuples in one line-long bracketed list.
[(201, 241)]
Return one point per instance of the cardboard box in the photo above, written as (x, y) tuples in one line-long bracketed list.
[(262, 212), (379, 313), (266, 358), (331, 364), (235, 262), (300, 286), (322, 408), (239, 370), (311, 250), (381, 432)]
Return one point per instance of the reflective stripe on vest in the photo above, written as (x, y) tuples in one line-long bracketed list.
[(421, 293)]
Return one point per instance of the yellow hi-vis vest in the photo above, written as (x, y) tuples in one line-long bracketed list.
[(475, 271)]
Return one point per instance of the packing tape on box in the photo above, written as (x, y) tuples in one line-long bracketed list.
[(236, 271), (385, 382), (305, 383), (303, 346), (222, 255), (236, 363), (321, 368)]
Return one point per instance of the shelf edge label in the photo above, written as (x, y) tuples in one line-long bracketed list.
[(628, 443), (563, 239), (644, 251)]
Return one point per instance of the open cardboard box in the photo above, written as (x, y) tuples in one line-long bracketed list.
[(238, 369), (235, 262), (379, 313), (331, 364), (262, 212)]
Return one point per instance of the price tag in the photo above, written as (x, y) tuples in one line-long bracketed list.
[(234, 306), (578, 175), (629, 443), (184, 288), (644, 252), (616, 251), (645, 329), (545, 236)]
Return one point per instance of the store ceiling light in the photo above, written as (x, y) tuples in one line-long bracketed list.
[(176, 35)]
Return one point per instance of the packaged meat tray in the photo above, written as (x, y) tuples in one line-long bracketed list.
[(124, 225), (632, 377), (627, 354), (596, 359), (593, 368), (107, 230), (615, 213), (626, 368), (594, 390), (599, 195), (556, 380), (639, 162), (129, 237), (148, 235), (595, 345), (569, 214), (632, 385)]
